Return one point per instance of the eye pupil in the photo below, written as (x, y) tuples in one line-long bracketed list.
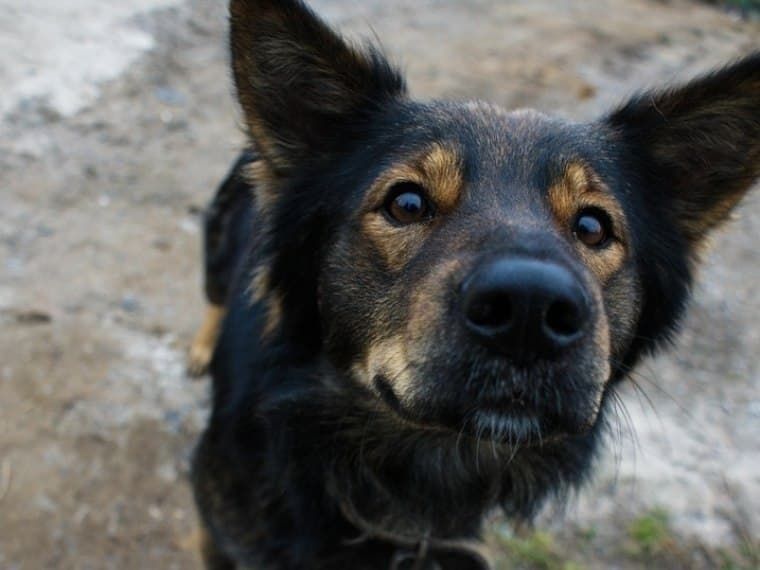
[(407, 204), (591, 229)]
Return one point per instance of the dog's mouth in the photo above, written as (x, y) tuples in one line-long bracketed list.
[(551, 410)]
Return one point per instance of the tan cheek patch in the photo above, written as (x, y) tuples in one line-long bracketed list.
[(581, 188), (438, 170), (605, 262), (389, 358), (396, 357), (396, 244)]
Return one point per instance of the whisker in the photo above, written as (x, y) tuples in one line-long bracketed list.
[(494, 435), (624, 426), (635, 374)]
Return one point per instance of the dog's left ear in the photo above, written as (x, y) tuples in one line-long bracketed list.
[(301, 86), (697, 146)]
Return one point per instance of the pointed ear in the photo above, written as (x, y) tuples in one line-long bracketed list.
[(697, 146), (300, 85)]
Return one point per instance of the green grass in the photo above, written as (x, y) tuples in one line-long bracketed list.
[(645, 541), (537, 551), (649, 535)]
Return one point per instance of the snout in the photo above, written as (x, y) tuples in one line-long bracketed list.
[(513, 348), (525, 308)]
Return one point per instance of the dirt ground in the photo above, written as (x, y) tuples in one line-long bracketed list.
[(100, 276)]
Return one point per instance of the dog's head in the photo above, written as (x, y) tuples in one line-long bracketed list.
[(473, 268)]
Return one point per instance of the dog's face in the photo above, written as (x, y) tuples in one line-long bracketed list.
[(475, 269), (481, 276)]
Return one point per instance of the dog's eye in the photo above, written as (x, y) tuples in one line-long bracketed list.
[(592, 228), (407, 204)]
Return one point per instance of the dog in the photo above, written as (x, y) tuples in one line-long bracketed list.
[(423, 310)]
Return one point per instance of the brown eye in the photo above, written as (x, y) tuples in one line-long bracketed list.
[(592, 228), (407, 204)]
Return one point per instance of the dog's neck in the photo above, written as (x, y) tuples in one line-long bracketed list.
[(414, 486), (421, 494), (394, 477)]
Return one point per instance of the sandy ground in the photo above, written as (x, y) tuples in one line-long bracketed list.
[(116, 122)]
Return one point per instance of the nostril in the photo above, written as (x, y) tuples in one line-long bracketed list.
[(493, 312), (564, 318)]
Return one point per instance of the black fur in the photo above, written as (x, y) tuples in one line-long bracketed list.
[(227, 230), (305, 466)]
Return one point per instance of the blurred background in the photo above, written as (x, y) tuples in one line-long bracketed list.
[(116, 123)]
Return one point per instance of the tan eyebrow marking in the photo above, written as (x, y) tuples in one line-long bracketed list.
[(442, 170), (438, 169)]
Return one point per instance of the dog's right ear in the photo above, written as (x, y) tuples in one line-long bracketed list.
[(299, 83)]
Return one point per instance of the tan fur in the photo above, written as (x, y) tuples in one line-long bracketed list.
[(578, 188), (207, 549), (389, 357), (260, 283), (441, 175), (397, 245), (394, 356), (274, 314), (204, 343), (261, 177), (192, 541), (262, 292), (438, 170)]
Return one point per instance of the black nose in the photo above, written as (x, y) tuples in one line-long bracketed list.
[(525, 308)]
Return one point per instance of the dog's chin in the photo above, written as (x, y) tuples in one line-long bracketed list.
[(523, 427), (516, 427)]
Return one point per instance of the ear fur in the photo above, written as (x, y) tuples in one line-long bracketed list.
[(299, 83), (696, 146)]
